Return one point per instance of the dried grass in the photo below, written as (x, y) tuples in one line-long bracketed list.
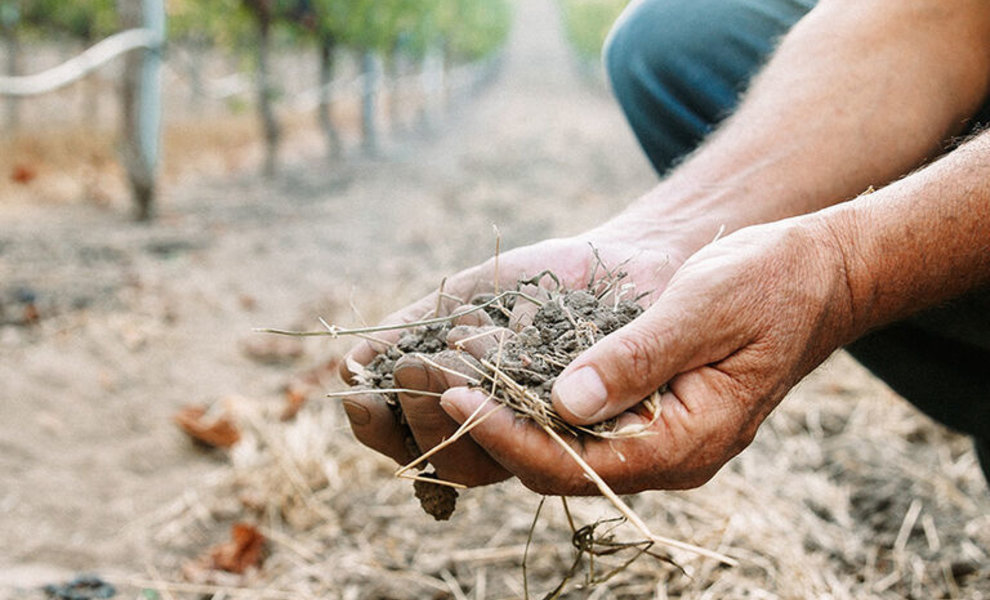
[(846, 493)]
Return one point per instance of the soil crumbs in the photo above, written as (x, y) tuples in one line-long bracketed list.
[(521, 363)]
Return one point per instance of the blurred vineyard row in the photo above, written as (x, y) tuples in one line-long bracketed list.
[(468, 29), (319, 65), (276, 57)]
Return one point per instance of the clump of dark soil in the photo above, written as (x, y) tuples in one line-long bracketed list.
[(438, 501), (523, 360), (566, 325)]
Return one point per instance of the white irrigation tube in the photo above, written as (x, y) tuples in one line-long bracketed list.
[(79, 66)]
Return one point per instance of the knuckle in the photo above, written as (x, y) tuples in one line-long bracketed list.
[(557, 480), (556, 484), (476, 476), (639, 362), (559, 477)]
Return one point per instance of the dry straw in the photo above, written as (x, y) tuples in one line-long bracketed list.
[(845, 493)]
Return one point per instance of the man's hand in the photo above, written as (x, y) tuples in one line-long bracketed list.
[(571, 260), (738, 325)]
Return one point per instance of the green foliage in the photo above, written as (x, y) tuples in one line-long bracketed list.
[(10, 14), (376, 25), (217, 22), (588, 22), (85, 20), (467, 29), (476, 28)]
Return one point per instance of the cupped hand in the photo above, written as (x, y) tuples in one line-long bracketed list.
[(740, 323), (572, 262)]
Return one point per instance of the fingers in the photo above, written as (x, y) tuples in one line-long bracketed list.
[(365, 350), (461, 461), (471, 317), (374, 425), (451, 300), (678, 333), (517, 445), (524, 449), (436, 304), (363, 353), (681, 449)]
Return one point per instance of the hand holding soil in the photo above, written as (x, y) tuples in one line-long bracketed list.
[(730, 335), (571, 262), (738, 325)]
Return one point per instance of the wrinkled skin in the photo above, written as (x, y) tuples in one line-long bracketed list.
[(465, 461), (725, 371)]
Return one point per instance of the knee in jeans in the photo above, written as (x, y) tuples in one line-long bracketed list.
[(614, 52), (623, 46), (649, 37)]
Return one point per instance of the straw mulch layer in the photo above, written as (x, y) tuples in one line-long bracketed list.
[(846, 493)]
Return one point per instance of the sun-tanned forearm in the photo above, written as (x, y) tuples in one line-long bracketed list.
[(858, 93), (918, 242)]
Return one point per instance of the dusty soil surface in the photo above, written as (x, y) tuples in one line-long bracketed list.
[(107, 328)]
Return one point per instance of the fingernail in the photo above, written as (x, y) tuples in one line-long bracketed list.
[(582, 392), (452, 409), (461, 403), (357, 413)]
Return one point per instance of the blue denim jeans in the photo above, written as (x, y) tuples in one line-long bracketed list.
[(677, 68)]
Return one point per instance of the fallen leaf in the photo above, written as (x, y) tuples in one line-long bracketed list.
[(305, 384), (214, 431), (295, 398), (245, 550), (273, 350), (31, 314), (247, 302), (23, 174)]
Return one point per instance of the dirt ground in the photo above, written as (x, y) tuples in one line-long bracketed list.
[(846, 493)]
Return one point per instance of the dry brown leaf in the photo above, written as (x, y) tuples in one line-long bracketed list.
[(273, 350), (295, 398), (245, 550), (216, 431), (31, 314), (308, 383), (23, 174)]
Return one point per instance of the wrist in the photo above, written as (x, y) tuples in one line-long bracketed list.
[(671, 218), (852, 298)]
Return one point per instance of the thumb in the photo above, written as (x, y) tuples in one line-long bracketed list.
[(633, 362)]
